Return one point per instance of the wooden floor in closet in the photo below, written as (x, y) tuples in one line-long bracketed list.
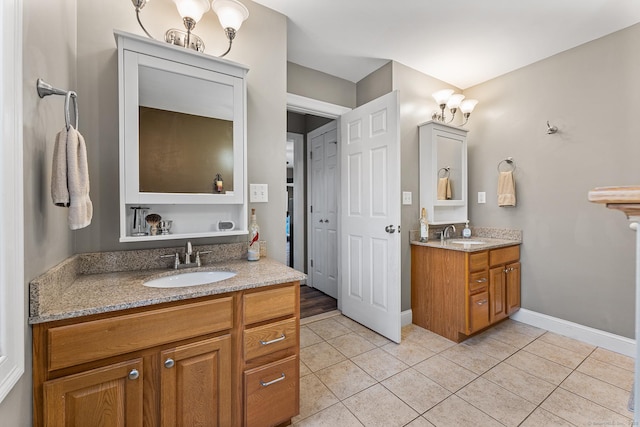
[(313, 302)]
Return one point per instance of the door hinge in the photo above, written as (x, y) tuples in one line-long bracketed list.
[(311, 263), (311, 154), (311, 208)]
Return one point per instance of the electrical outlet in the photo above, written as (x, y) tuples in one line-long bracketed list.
[(406, 197), (258, 193), (482, 197)]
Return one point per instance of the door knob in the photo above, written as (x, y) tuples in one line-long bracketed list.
[(389, 229)]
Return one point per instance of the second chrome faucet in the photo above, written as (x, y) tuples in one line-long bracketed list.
[(188, 253)]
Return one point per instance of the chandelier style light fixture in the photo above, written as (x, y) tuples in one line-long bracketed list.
[(231, 14), (447, 99)]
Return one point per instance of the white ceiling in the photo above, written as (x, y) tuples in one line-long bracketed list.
[(462, 42)]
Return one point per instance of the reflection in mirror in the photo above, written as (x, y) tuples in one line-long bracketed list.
[(449, 155), (183, 153)]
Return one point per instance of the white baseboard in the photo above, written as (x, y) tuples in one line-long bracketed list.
[(406, 317), (607, 340)]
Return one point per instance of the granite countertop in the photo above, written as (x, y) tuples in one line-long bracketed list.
[(66, 291), (487, 243)]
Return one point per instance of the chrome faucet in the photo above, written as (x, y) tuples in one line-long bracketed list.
[(188, 251), (445, 233)]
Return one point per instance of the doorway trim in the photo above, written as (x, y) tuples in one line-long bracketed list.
[(304, 105)]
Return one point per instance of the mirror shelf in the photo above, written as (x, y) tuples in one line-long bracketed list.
[(182, 120), (443, 172)]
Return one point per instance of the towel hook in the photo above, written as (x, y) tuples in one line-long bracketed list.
[(510, 162), (551, 129), (447, 171), (67, 114)]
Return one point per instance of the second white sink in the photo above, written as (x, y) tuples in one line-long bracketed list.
[(194, 278), (466, 241)]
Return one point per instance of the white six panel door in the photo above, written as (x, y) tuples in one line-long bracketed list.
[(370, 216)]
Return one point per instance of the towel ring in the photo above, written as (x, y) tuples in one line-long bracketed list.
[(446, 173), (510, 163), (67, 112)]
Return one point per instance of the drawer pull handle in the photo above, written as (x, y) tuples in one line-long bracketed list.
[(281, 338), (277, 380), (169, 363), (482, 302), (134, 374), (484, 279)]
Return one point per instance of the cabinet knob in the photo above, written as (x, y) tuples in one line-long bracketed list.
[(482, 302), (169, 363), (484, 279), (134, 374)]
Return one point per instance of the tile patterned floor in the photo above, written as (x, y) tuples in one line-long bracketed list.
[(511, 375)]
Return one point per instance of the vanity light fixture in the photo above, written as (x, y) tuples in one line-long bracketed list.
[(231, 14), (446, 98)]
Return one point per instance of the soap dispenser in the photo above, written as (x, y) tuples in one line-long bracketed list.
[(466, 231)]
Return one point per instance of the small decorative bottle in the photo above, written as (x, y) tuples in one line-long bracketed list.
[(253, 253), (424, 226)]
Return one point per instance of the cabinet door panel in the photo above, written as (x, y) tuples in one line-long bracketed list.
[(196, 384), (110, 396), (479, 311), (270, 338), (497, 294), (513, 287), (272, 393)]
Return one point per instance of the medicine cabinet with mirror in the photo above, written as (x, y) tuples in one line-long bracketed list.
[(182, 141), (443, 172)]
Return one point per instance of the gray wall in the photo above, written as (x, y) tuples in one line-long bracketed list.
[(70, 44), (577, 257), (376, 84), (47, 240), (416, 106), (315, 84)]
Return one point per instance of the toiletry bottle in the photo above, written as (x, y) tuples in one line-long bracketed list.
[(253, 253), (466, 231), (424, 226)]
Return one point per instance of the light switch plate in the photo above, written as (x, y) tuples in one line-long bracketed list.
[(482, 197), (406, 197), (258, 193)]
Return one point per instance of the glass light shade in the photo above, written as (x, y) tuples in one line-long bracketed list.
[(193, 9), (442, 96), (468, 105), (231, 13), (455, 100)]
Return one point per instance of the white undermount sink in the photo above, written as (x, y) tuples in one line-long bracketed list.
[(466, 241), (193, 278)]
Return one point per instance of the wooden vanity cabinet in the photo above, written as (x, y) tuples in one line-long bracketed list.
[(189, 363), (457, 294)]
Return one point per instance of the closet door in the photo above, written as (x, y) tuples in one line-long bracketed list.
[(324, 209)]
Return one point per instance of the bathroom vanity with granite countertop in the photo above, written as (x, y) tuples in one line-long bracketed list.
[(462, 286), (109, 350)]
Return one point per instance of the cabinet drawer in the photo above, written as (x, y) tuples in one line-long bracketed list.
[(271, 393), (478, 261), (271, 304), (479, 311), (270, 338), (84, 342), (478, 281), (504, 255)]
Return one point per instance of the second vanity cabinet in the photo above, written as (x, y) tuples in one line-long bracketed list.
[(457, 294), (226, 360)]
